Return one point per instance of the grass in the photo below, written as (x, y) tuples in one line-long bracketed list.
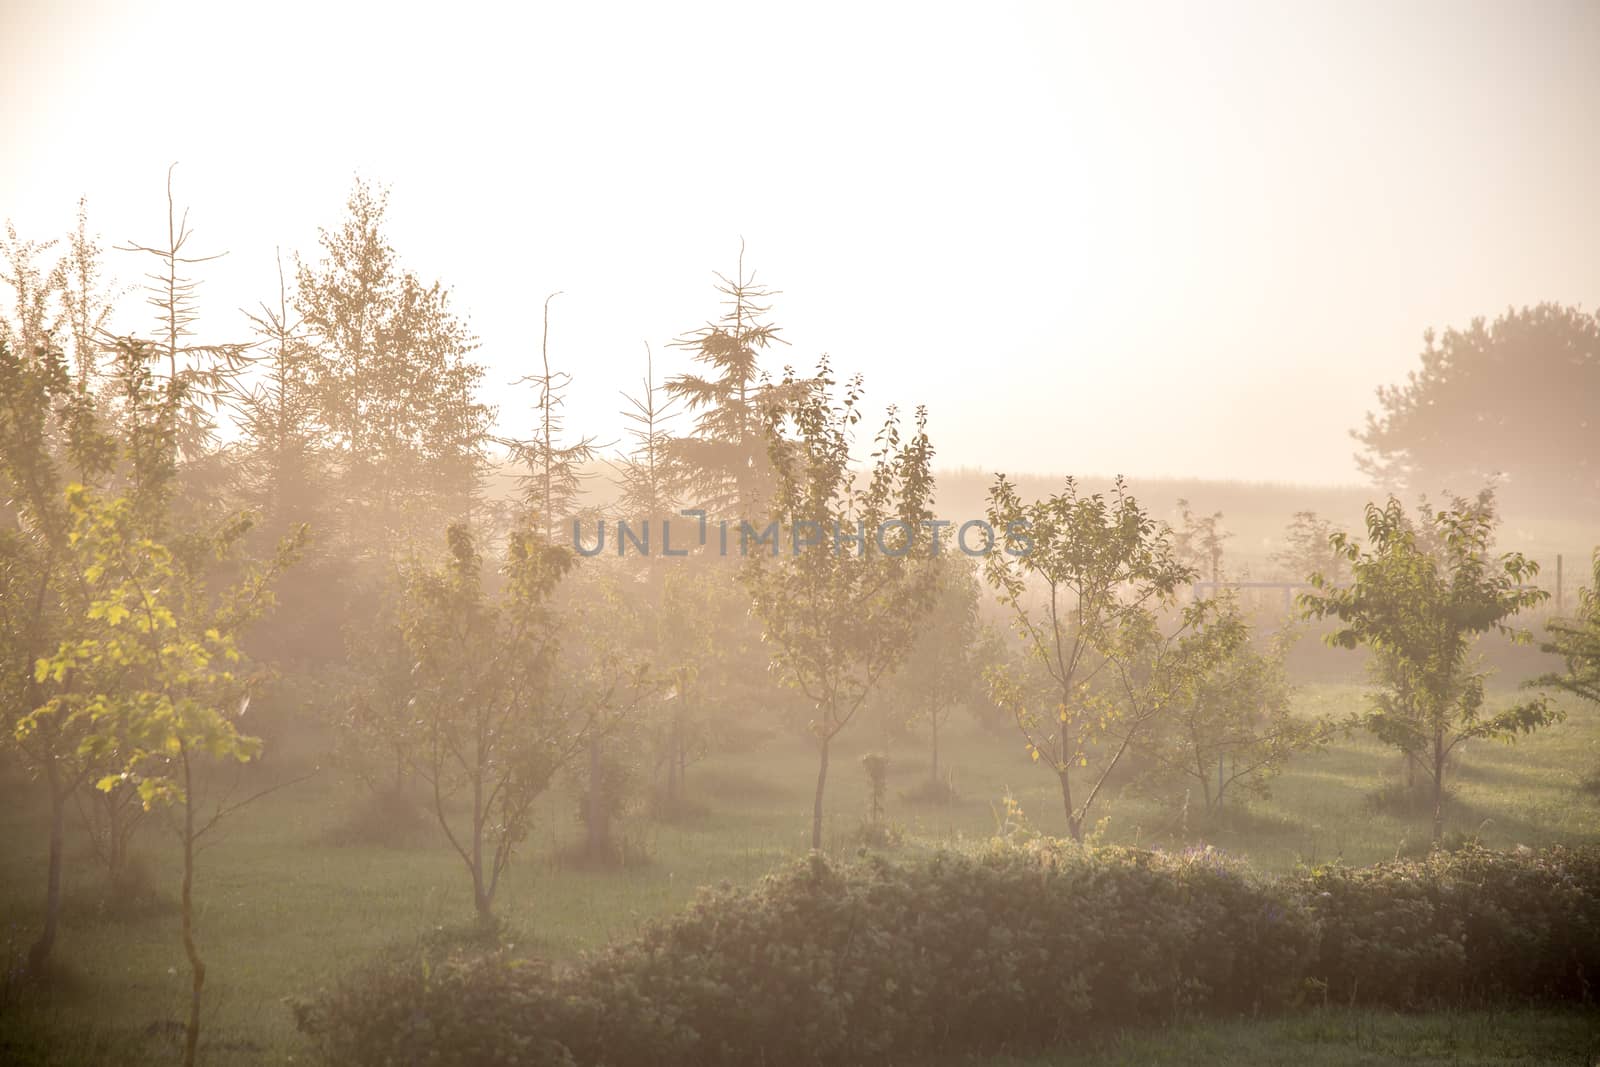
[(284, 908), (1343, 1038)]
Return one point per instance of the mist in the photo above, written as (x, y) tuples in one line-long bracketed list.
[(703, 534)]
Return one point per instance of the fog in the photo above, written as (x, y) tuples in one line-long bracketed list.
[(816, 536), (1165, 219)]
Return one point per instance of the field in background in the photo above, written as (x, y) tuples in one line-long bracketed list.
[(285, 907)]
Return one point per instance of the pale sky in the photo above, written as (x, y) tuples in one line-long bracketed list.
[(1148, 239)]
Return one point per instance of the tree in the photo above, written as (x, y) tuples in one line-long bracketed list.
[(1231, 726), (554, 479), (708, 661), (840, 607), (200, 378), (1198, 539), (648, 483), (1307, 548), (1420, 593), (1577, 641), (86, 299), (1098, 563), (56, 420), (494, 716), (150, 676), (609, 617), (943, 670), (647, 476), (1512, 397), (377, 733), (393, 385), (726, 458), (282, 469), (47, 428), (34, 288)]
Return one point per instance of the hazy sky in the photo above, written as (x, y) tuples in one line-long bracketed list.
[(1145, 239)]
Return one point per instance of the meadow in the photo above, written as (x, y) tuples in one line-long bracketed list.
[(296, 890)]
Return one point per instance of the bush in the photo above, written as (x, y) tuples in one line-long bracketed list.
[(939, 791), (1010, 947), (460, 1010), (1460, 928), (388, 817), (882, 834), (130, 895)]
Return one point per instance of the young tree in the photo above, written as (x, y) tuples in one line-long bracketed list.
[(35, 289), (1098, 563), (555, 470), (840, 605), (708, 661), (86, 298), (610, 617), (647, 483), (47, 429), (1577, 641), (200, 378), (647, 476), (726, 458), (1197, 541), (1231, 727), (1307, 548), (494, 716), (282, 467), (943, 669), (151, 676), (393, 389), (1420, 593), (377, 732)]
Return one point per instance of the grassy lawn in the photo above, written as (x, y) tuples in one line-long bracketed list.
[(1335, 1038), (283, 908)]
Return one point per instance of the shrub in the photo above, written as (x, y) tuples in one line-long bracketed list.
[(388, 817), (1012, 946), (1460, 927), (931, 791), (462, 1010), (881, 834)]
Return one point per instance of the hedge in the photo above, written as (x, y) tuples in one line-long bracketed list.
[(1007, 948)]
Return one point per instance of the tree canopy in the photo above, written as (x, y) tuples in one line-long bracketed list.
[(1511, 399)]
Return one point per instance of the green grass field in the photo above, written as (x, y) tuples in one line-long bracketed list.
[(284, 909)]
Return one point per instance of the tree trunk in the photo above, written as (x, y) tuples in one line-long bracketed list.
[(672, 764), (935, 747), (39, 952), (1074, 824), (683, 763), (595, 816), (481, 900), (197, 967), (117, 833), (1438, 787), (816, 806)]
